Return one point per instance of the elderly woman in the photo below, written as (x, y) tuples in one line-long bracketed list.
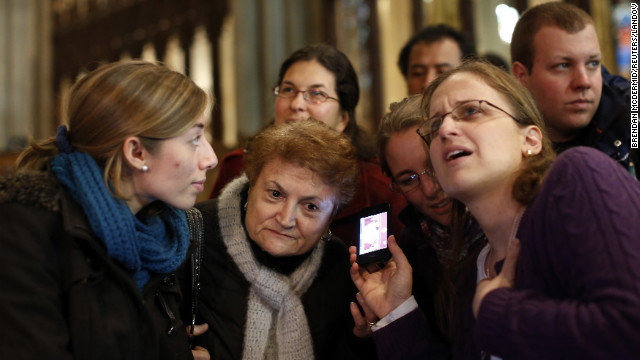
[(275, 282), (566, 255)]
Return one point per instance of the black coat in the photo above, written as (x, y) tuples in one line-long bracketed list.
[(62, 297)]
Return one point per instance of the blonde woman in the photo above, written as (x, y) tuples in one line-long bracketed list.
[(93, 224)]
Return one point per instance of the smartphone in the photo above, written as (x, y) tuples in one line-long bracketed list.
[(374, 231)]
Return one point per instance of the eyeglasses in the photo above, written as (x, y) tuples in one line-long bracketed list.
[(311, 96), (410, 182), (468, 111)]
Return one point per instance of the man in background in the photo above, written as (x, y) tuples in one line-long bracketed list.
[(430, 52), (555, 53)]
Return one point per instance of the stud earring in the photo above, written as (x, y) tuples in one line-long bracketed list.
[(145, 168), (529, 152)]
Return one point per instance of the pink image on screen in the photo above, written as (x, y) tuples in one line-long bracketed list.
[(373, 233)]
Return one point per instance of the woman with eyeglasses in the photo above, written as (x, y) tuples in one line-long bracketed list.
[(560, 275), (426, 238), (318, 81)]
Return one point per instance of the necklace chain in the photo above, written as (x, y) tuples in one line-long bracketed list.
[(514, 229)]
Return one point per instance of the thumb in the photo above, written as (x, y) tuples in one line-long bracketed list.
[(200, 329), (509, 268), (398, 255)]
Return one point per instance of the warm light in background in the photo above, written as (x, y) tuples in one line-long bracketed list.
[(507, 17)]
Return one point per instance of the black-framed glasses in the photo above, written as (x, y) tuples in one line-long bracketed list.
[(409, 182), (312, 96), (471, 110)]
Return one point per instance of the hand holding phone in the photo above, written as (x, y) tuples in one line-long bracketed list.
[(374, 231)]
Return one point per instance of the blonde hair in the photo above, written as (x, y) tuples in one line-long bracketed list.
[(309, 144), (119, 100)]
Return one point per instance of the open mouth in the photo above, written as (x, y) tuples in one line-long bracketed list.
[(457, 154)]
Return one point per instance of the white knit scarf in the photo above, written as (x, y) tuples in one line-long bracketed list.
[(276, 325)]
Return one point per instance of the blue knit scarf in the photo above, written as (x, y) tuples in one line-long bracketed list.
[(158, 244)]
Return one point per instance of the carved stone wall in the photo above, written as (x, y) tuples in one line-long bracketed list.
[(88, 32)]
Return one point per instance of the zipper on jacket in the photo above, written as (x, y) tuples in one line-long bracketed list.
[(167, 310)]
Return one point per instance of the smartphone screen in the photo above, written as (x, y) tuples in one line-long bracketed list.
[(374, 231)]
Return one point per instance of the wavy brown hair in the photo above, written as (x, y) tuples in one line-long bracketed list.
[(309, 144)]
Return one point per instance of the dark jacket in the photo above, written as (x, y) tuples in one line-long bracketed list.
[(418, 244), (610, 129), (225, 292), (427, 270), (62, 297)]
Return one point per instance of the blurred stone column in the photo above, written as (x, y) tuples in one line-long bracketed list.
[(25, 72)]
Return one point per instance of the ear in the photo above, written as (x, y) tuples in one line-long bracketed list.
[(343, 123), (134, 153), (520, 72), (532, 140)]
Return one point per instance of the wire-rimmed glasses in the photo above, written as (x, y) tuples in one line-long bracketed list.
[(467, 111), (409, 182), (313, 96)]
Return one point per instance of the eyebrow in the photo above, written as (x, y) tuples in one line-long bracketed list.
[(455, 104), (282, 190), (275, 184), (422, 66), (573, 58), (198, 126), (311, 86)]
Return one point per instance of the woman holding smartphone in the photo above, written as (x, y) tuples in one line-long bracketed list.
[(560, 275)]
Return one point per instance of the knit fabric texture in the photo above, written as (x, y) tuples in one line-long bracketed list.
[(158, 244), (276, 325)]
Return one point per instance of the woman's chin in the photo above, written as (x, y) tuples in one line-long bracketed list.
[(277, 248)]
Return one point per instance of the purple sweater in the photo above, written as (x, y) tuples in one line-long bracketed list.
[(577, 291)]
